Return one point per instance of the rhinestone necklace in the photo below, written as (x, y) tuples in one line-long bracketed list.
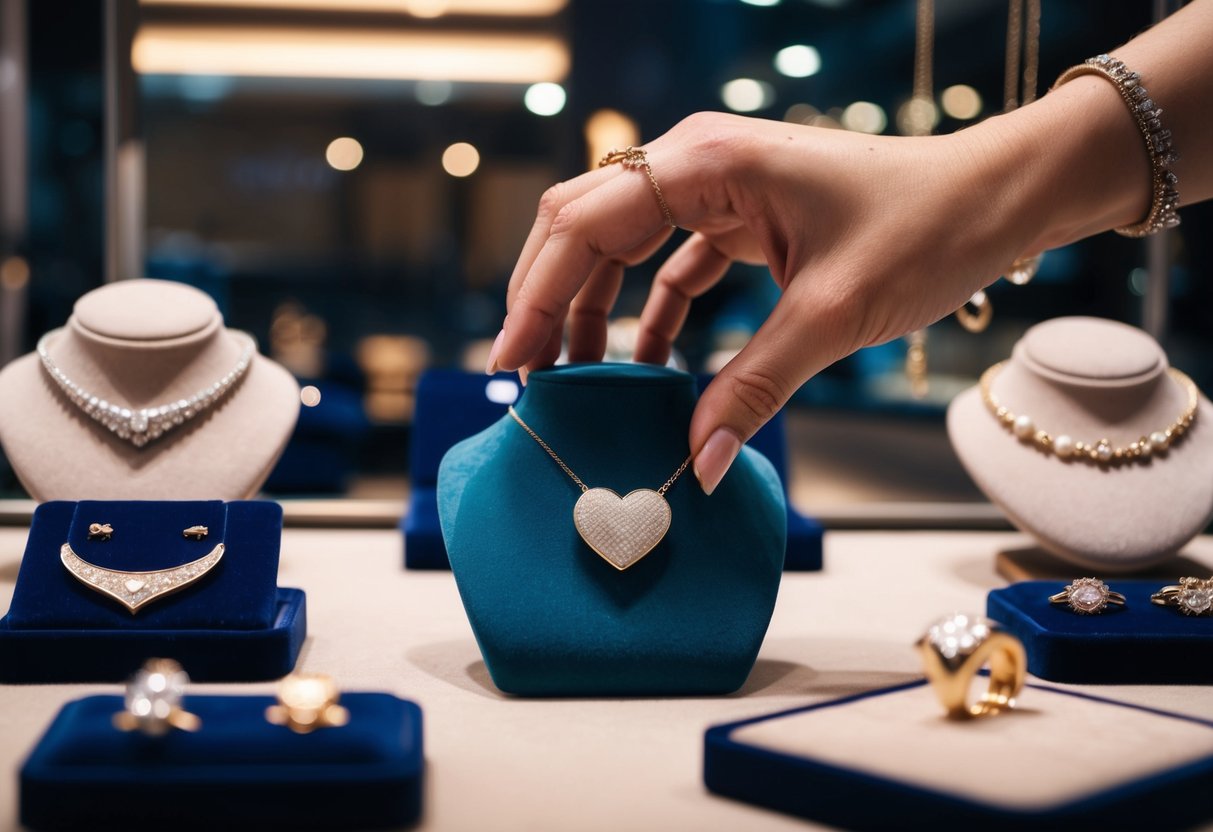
[(622, 530), (142, 425), (1100, 452)]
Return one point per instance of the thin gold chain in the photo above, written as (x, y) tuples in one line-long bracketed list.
[(635, 157), (555, 458)]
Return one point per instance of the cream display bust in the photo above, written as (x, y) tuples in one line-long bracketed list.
[(145, 343), (1091, 379)]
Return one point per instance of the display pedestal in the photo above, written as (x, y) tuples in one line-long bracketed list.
[(889, 759), (1138, 644), (232, 624), (453, 405), (236, 772)]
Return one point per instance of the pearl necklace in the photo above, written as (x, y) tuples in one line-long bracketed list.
[(140, 426), (1101, 452)]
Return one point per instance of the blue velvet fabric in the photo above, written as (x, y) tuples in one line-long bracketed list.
[(236, 772), (1138, 644), (234, 624), (551, 617), (453, 405), (854, 799)]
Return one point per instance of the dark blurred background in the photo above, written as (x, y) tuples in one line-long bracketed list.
[(351, 181)]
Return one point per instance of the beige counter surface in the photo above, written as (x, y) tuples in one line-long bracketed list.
[(502, 763)]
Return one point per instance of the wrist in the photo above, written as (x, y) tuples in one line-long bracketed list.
[(1081, 165)]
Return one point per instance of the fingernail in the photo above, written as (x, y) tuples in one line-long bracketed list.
[(491, 367), (715, 458), (522, 374)]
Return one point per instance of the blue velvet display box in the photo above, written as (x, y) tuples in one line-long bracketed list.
[(453, 405), (889, 759), (234, 624), (1138, 644), (236, 772)]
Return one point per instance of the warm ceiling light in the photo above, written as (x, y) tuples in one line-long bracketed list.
[(461, 159), (745, 95), (417, 8), (961, 101), (298, 52), (343, 153), (606, 130)]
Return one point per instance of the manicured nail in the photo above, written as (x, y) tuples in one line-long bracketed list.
[(715, 458), (491, 367), (522, 374)]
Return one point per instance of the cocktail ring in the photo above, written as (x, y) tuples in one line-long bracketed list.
[(1191, 596), (153, 700), (956, 647), (307, 702), (1088, 596)]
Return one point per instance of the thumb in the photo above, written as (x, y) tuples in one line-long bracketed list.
[(749, 391)]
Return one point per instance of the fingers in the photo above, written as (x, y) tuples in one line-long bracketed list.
[(694, 268), (588, 312), (751, 389), (617, 217)]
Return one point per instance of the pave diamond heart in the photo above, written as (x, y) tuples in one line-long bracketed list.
[(133, 586), (622, 530)]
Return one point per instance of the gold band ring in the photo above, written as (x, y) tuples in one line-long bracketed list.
[(307, 702), (1191, 596), (955, 648), (637, 159), (1088, 596)]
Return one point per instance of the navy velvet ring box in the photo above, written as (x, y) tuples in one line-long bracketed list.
[(233, 624), (237, 771)]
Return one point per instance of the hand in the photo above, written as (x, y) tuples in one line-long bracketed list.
[(869, 237)]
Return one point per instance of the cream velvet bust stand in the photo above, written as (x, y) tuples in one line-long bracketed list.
[(145, 343), (1092, 379)]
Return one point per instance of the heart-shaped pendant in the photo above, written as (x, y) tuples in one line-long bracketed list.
[(622, 530)]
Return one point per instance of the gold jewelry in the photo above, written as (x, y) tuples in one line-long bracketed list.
[(140, 426), (621, 530), (637, 159), (100, 531), (955, 648), (307, 702), (133, 590), (1164, 202), (1191, 596), (196, 532), (1088, 596), (153, 700), (1103, 451), (978, 320)]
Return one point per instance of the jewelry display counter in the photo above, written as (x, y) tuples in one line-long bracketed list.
[(505, 763)]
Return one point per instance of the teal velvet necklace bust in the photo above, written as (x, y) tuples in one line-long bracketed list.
[(553, 618)]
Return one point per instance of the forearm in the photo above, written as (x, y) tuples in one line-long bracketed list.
[(1081, 157)]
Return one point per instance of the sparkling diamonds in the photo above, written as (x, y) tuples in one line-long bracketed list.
[(1196, 596), (958, 635), (1087, 596), (144, 425), (153, 697), (135, 589)]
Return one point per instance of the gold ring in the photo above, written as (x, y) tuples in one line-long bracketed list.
[(307, 702), (637, 159), (153, 700), (1191, 596), (955, 648), (1088, 596)]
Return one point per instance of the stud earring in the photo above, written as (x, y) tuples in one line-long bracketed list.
[(196, 532), (100, 531)]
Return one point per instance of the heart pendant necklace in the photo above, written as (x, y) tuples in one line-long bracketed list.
[(622, 530)]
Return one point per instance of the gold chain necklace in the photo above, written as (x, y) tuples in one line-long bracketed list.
[(621, 530), (1101, 452)]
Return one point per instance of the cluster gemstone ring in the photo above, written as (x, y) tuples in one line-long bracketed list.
[(1088, 596), (955, 648), (153, 701), (1191, 596)]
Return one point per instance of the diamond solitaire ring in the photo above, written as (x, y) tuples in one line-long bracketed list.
[(1088, 596), (153, 701), (955, 648), (307, 702), (1191, 596)]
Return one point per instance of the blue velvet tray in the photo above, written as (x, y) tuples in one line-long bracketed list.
[(854, 798), (234, 624), (1139, 644), (236, 772), (453, 405)]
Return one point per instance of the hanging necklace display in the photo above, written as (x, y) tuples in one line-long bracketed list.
[(142, 425), (621, 530), (1023, 40), (136, 589)]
